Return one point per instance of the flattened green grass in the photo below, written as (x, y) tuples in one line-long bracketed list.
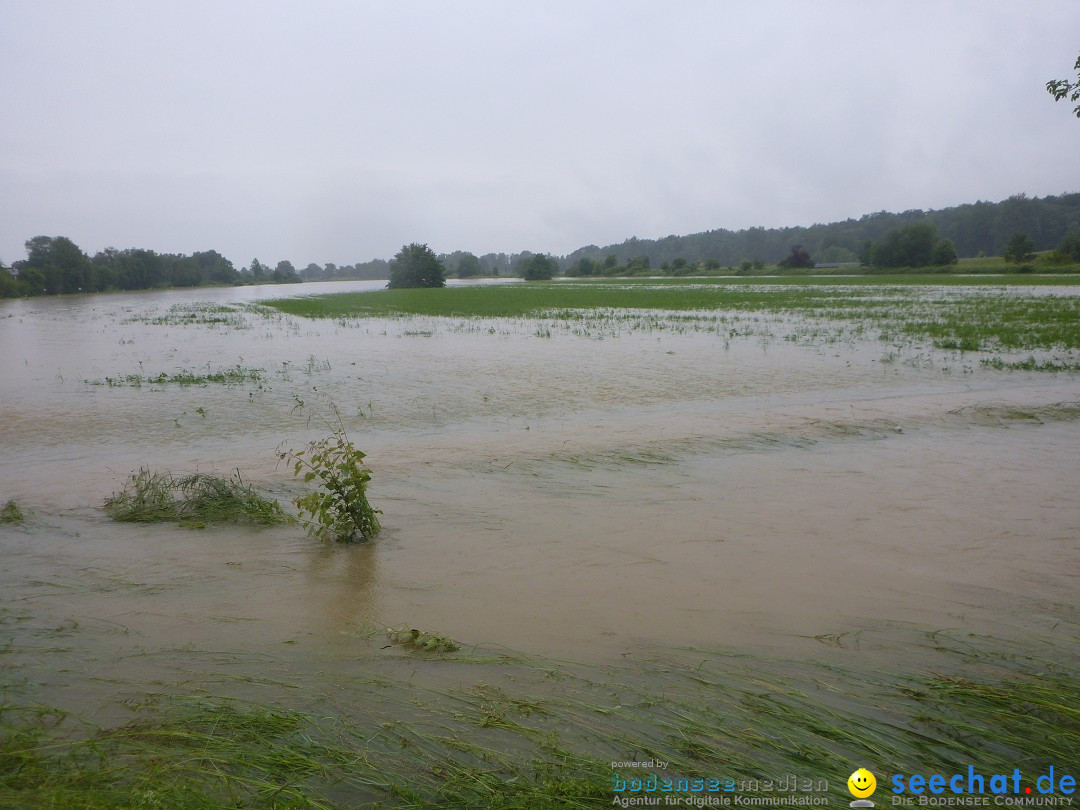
[(532, 733)]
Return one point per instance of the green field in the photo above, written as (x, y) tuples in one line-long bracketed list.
[(971, 313)]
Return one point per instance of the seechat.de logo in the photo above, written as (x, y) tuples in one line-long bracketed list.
[(862, 785)]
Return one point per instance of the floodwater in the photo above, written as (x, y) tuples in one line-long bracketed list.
[(587, 490)]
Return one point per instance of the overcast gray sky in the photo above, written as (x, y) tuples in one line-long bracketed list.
[(339, 131)]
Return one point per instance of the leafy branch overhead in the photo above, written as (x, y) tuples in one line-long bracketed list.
[(1066, 89)]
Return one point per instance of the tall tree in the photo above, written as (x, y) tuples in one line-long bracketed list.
[(416, 265), (65, 268), (144, 269), (799, 257), (944, 253), (9, 287), (1019, 249), (538, 267), (468, 266), (180, 270), (1070, 244), (258, 270), (107, 269), (915, 245), (584, 267), (215, 268), (285, 271)]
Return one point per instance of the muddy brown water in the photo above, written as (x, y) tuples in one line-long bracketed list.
[(592, 496)]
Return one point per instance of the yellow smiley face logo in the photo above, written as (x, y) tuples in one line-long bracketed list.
[(861, 783)]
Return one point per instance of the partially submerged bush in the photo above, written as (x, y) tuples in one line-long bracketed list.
[(193, 500), (12, 513), (340, 510)]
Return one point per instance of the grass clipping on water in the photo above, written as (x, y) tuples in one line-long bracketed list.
[(191, 500)]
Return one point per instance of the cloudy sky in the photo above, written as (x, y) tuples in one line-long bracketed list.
[(338, 130)]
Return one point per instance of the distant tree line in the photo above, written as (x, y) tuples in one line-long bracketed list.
[(980, 228), (526, 264), (463, 264), (363, 271), (917, 245), (55, 264), (1018, 227)]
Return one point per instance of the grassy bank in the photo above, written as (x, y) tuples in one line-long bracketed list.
[(520, 732)]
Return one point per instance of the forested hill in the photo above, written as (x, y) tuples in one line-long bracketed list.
[(974, 228)]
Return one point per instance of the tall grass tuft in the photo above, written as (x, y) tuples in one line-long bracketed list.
[(11, 513), (194, 500)]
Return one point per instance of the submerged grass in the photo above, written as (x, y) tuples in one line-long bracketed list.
[(192, 500), (975, 314), (200, 313), (11, 513), (178, 754), (1031, 364), (238, 375), (535, 733)]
